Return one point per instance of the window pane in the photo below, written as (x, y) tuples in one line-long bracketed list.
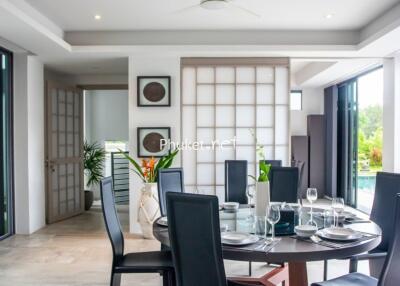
[(296, 99)]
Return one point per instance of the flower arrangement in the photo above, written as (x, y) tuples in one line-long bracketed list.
[(264, 167), (148, 169)]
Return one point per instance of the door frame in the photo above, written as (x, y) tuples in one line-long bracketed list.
[(48, 119), (11, 186)]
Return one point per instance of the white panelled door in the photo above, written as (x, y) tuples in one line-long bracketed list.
[(64, 160)]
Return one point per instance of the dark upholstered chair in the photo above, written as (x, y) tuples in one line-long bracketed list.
[(300, 166), (236, 181), (274, 163), (195, 240), (169, 180), (141, 262), (390, 274), (386, 188), (284, 184)]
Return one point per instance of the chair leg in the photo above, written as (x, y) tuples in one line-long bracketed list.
[(325, 270), (250, 272), (353, 265), (168, 278), (115, 279)]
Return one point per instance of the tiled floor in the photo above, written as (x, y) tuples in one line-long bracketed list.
[(77, 252)]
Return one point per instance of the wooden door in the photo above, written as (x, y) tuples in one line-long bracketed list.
[(64, 152)]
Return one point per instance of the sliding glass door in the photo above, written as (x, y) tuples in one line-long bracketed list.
[(360, 129), (6, 182), (347, 141)]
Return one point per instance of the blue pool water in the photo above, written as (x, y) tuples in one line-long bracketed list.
[(366, 189), (366, 182)]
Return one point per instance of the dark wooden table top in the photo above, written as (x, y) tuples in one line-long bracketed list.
[(290, 249)]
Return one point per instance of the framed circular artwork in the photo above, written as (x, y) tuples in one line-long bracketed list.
[(152, 141), (153, 91)]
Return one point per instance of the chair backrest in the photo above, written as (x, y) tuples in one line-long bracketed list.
[(111, 220), (169, 180), (195, 239), (300, 166), (383, 208), (284, 184), (274, 163), (390, 275), (236, 181)]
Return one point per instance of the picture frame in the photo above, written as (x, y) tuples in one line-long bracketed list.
[(153, 91), (148, 141)]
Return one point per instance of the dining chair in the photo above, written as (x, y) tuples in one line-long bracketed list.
[(284, 184), (274, 163), (140, 262), (169, 180), (195, 240), (300, 166), (390, 274), (236, 181), (386, 187)]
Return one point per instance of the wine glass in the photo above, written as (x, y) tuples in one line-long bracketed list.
[(312, 195), (338, 207), (250, 192), (273, 216)]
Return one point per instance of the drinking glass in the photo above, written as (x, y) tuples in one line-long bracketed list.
[(338, 207), (312, 195), (273, 216), (250, 192)]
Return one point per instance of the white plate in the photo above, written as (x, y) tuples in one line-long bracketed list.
[(163, 221), (339, 234), (238, 238)]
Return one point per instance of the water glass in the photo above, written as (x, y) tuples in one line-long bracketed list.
[(337, 207), (260, 226), (312, 196), (273, 216)]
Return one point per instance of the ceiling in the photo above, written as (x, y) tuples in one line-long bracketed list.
[(124, 15)]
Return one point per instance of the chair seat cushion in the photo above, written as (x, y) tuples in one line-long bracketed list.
[(352, 279), (143, 262)]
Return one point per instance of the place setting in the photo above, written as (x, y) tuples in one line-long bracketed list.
[(257, 239), (332, 233)]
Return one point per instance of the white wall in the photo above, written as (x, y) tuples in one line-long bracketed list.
[(391, 114), (29, 144), (106, 115), (313, 103), (154, 116)]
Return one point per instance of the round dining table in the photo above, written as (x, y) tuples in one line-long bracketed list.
[(290, 251)]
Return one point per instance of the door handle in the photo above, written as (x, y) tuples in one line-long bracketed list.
[(50, 164)]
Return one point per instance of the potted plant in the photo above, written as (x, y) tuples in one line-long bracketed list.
[(93, 161), (148, 208), (262, 194)]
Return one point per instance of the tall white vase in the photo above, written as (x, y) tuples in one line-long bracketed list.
[(262, 198), (149, 209)]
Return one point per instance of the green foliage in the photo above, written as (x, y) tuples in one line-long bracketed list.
[(148, 171), (264, 168), (370, 136), (93, 160)]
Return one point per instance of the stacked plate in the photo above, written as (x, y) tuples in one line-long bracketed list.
[(230, 206), (339, 234), (238, 238), (163, 221)]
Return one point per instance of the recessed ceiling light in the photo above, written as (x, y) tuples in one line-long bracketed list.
[(328, 16), (97, 17)]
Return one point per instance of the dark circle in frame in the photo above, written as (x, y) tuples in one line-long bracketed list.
[(154, 91), (152, 142)]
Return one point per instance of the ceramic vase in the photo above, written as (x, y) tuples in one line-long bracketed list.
[(149, 209), (262, 198)]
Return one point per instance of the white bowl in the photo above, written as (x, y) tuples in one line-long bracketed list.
[(230, 205), (305, 230)]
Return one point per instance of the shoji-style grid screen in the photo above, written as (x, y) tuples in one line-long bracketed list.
[(223, 99)]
